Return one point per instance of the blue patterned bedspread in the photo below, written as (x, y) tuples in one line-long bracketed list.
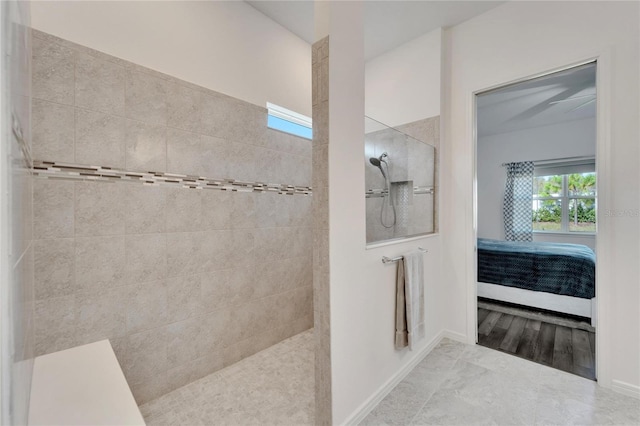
[(568, 269)]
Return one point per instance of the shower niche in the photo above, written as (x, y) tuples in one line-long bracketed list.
[(400, 179)]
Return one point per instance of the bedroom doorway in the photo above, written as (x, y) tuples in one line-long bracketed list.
[(536, 194)]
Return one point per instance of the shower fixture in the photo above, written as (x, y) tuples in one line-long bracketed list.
[(377, 162)]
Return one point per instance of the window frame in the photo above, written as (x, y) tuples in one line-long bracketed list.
[(565, 201), (292, 118)]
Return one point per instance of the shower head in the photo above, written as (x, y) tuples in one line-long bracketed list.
[(378, 163), (375, 161)]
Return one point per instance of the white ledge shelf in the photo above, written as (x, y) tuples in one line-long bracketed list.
[(81, 386)]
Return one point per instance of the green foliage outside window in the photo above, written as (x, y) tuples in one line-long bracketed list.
[(579, 202)]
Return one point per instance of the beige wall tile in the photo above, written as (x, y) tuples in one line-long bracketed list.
[(216, 291), (100, 315), (214, 156), (53, 72), (99, 139), (145, 209), (53, 214), (99, 209), (146, 98), (215, 250), (151, 389), (183, 209), (182, 338), (217, 209), (181, 375), (244, 211), (208, 364), (183, 108), (271, 210), (146, 305), (215, 332), (99, 85), (55, 324), (214, 114), (184, 297), (146, 257), (53, 131), (242, 282), (184, 253), (243, 162), (99, 263), (54, 268), (146, 147), (145, 356), (193, 154), (247, 320)]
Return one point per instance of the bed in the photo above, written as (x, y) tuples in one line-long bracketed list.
[(554, 276)]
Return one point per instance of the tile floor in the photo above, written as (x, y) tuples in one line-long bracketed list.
[(459, 384), (455, 384), (272, 387)]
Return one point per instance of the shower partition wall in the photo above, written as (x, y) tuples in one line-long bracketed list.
[(400, 179)]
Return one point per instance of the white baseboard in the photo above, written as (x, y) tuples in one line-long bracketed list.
[(625, 388), (454, 335), (363, 410)]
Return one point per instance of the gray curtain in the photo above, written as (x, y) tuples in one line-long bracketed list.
[(517, 206)]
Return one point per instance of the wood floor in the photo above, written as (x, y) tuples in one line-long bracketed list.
[(564, 348)]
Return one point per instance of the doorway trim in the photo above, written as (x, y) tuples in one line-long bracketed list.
[(604, 271)]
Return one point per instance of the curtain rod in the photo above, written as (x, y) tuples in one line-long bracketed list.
[(558, 160)]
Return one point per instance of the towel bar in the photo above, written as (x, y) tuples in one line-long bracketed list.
[(386, 259)]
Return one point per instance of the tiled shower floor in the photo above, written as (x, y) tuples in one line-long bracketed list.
[(274, 386)]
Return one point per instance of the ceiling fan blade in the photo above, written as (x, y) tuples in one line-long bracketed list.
[(581, 105), (544, 105), (571, 99)]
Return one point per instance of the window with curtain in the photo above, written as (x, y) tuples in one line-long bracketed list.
[(517, 201)]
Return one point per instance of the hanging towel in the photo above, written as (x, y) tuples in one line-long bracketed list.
[(401, 312), (413, 270)]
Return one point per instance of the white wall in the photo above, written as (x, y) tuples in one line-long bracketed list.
[(403, 84), (569, 139), (362, 287), (226, 46), (521, 39)]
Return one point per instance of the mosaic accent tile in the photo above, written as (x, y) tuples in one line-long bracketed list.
[(56, 170), (379, 193)]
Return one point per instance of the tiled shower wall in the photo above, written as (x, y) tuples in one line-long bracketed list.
[(411, 160), (321, 266), (182, 281)]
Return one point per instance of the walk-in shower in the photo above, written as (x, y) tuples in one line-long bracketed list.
[(388, 199), (402, 203)]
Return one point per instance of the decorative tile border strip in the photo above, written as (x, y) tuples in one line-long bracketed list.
[(417, 190), (66, 171)]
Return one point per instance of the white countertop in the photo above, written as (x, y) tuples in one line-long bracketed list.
[(81, 386)]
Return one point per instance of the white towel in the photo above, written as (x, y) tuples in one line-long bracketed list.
[(414, 296)]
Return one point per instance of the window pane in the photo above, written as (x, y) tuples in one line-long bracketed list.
[(547, 215), (582, 184), (547, 186), (582, 215), (289, 127)]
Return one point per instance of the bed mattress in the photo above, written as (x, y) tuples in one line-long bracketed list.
[(567, 269)]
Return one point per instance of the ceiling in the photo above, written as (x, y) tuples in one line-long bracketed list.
[(555, 98), (387, 24)]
